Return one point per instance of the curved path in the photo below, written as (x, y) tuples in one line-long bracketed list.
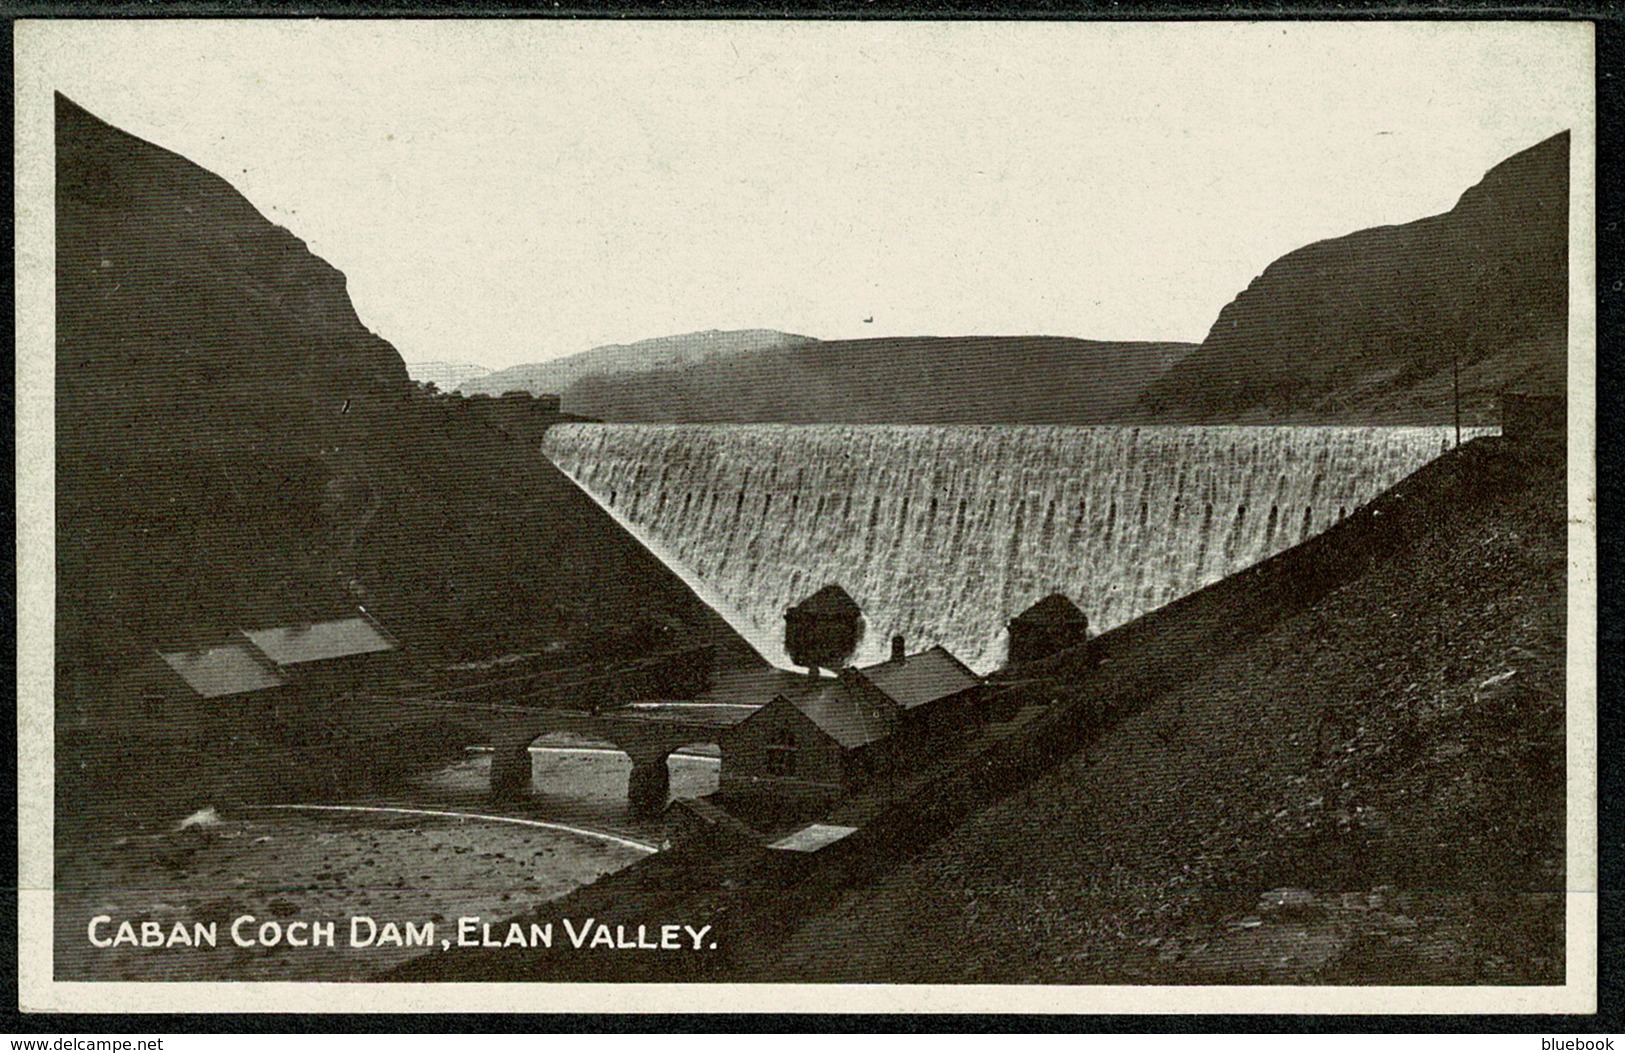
[(581, 831)]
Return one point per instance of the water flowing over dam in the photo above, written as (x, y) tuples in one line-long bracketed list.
[(942, 534)]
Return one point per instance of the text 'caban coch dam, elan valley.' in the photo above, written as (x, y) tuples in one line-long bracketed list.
[(1104, 662)]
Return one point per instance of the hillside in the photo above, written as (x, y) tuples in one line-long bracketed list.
[(176, 300), (888, 380), (1361, 328), (234, 448), (659, 353)]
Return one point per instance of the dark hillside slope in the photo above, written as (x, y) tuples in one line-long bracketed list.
[(234, 447), (890, 380), (179, 304), (1361, 328), (1370, 791)]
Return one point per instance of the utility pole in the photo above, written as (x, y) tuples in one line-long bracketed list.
[(1455, 382)]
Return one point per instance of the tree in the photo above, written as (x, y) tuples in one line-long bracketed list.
[(823, 630)]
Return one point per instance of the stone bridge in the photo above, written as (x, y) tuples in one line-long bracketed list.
[(647, 735)]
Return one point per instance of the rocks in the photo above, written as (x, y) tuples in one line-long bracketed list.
[(1287, 903), (199, 820)]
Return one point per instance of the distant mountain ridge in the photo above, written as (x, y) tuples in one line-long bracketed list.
[(1380, 326), (445, 375), (662, 352), (883, 380), (1363, 328)]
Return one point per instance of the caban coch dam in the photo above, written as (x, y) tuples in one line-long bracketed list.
[(977, 659)]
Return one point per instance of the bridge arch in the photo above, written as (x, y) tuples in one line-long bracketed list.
[(647, 744), (700, 750), (648, 740), (513, 771), (649, 785)]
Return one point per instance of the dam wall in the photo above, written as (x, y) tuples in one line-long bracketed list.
[(943, 533)]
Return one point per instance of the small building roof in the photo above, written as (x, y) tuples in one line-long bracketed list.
[(812, 838), (921, 678), (228, 669), (1054, 609), (842, 713), (318, 641), (717, 817), (829, 601)]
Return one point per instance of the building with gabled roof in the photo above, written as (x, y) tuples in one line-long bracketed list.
[(916, 680), (827, 738), (290, 645), (330, 656), (253, 677), (848, 714), (1050, 626), (178, 693), (819, 743), (231, 668)]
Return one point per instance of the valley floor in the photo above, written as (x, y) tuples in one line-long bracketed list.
[(391, 859)]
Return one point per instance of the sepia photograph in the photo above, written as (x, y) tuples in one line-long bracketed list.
[(850, 516)]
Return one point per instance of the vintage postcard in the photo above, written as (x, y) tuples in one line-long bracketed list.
[(835, 516)]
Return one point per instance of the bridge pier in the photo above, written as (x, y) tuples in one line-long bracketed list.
[(510, 770), (649, 784)]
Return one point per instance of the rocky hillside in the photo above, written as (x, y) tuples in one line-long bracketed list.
[(177, 301), (888, 380), (234, 447), (658, 354), (1362, 328)]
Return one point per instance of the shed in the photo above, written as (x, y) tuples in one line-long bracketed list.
[(331, 655), (931, 688), (1535, 413), (1049, 626)]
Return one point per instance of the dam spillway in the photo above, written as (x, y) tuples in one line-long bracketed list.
[(943, 533)]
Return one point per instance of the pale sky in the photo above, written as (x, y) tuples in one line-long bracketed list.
[(507, 192)]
